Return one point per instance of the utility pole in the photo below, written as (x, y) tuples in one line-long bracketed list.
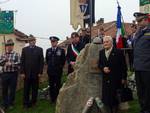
[(91, 21)]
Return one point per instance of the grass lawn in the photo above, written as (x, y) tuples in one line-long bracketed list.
[(44, 106)]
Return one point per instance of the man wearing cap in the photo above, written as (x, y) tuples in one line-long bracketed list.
[(55, 58), (142, 60), (32, 62), (11, 62), (73, 51)]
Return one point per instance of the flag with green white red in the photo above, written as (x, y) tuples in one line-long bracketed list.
[(120, 29)]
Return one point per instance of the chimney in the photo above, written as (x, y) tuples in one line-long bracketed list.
[(100, 21)]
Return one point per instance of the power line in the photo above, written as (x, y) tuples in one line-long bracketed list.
[(44, 38)]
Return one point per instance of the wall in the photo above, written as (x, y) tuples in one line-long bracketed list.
[(18, 44)]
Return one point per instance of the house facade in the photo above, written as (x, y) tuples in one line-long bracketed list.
[(18, 37)]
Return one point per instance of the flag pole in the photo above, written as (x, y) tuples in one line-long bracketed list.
[(4, 42), (91, 20)]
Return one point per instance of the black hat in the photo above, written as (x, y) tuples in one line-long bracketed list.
[(139, 16), (9, 42), (54, 38)]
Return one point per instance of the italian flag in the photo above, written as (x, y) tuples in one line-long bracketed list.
[(120, 30), (75, 51)]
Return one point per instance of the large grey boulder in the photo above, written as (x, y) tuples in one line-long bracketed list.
[(83, 83)]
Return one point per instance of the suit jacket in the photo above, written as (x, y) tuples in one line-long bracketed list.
[(32, 61), (141, 49), (70, 55), (55, 60), (112, 81)]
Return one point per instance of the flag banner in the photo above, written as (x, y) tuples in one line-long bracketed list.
[(120, 30), (82, 12), (89, 15), (144, 2), (6, 22), (145, 6), (76, 17)]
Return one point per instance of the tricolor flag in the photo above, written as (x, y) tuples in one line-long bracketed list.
[(120, 30)]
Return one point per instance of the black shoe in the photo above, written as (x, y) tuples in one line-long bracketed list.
[(146, 112), (26, 106), (34, 104)]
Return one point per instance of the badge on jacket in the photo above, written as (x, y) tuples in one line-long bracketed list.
[(58, 53)]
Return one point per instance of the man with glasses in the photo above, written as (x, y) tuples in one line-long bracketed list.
[(142, 60)]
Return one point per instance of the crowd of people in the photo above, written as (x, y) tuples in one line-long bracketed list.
[(111, 61), (29, 65)]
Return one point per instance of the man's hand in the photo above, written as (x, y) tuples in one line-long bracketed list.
[(72, 63), (39, 75), (8, 64), (106, 70)]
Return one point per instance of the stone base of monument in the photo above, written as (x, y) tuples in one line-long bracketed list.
[(84, 83)]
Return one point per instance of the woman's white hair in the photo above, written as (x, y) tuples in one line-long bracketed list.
[(108, 38)]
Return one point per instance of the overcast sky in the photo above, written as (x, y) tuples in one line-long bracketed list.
[(44, 18)]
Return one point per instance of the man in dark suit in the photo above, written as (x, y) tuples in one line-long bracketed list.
[(55, 58), (32, 62), (73, 51), (112, 63)]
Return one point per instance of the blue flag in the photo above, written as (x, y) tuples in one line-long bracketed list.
[(90, 12)]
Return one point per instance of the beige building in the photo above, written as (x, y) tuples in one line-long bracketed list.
[(18, 37)]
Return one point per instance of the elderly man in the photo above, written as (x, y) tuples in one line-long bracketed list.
[(32, 62), (142, 60), (55, 58), (10, 61), (113, 66)]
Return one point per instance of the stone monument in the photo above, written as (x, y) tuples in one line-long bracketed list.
[(84, 83)]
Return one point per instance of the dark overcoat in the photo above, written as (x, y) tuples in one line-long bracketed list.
[(112, 81), (32, 61), (55, 60)]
